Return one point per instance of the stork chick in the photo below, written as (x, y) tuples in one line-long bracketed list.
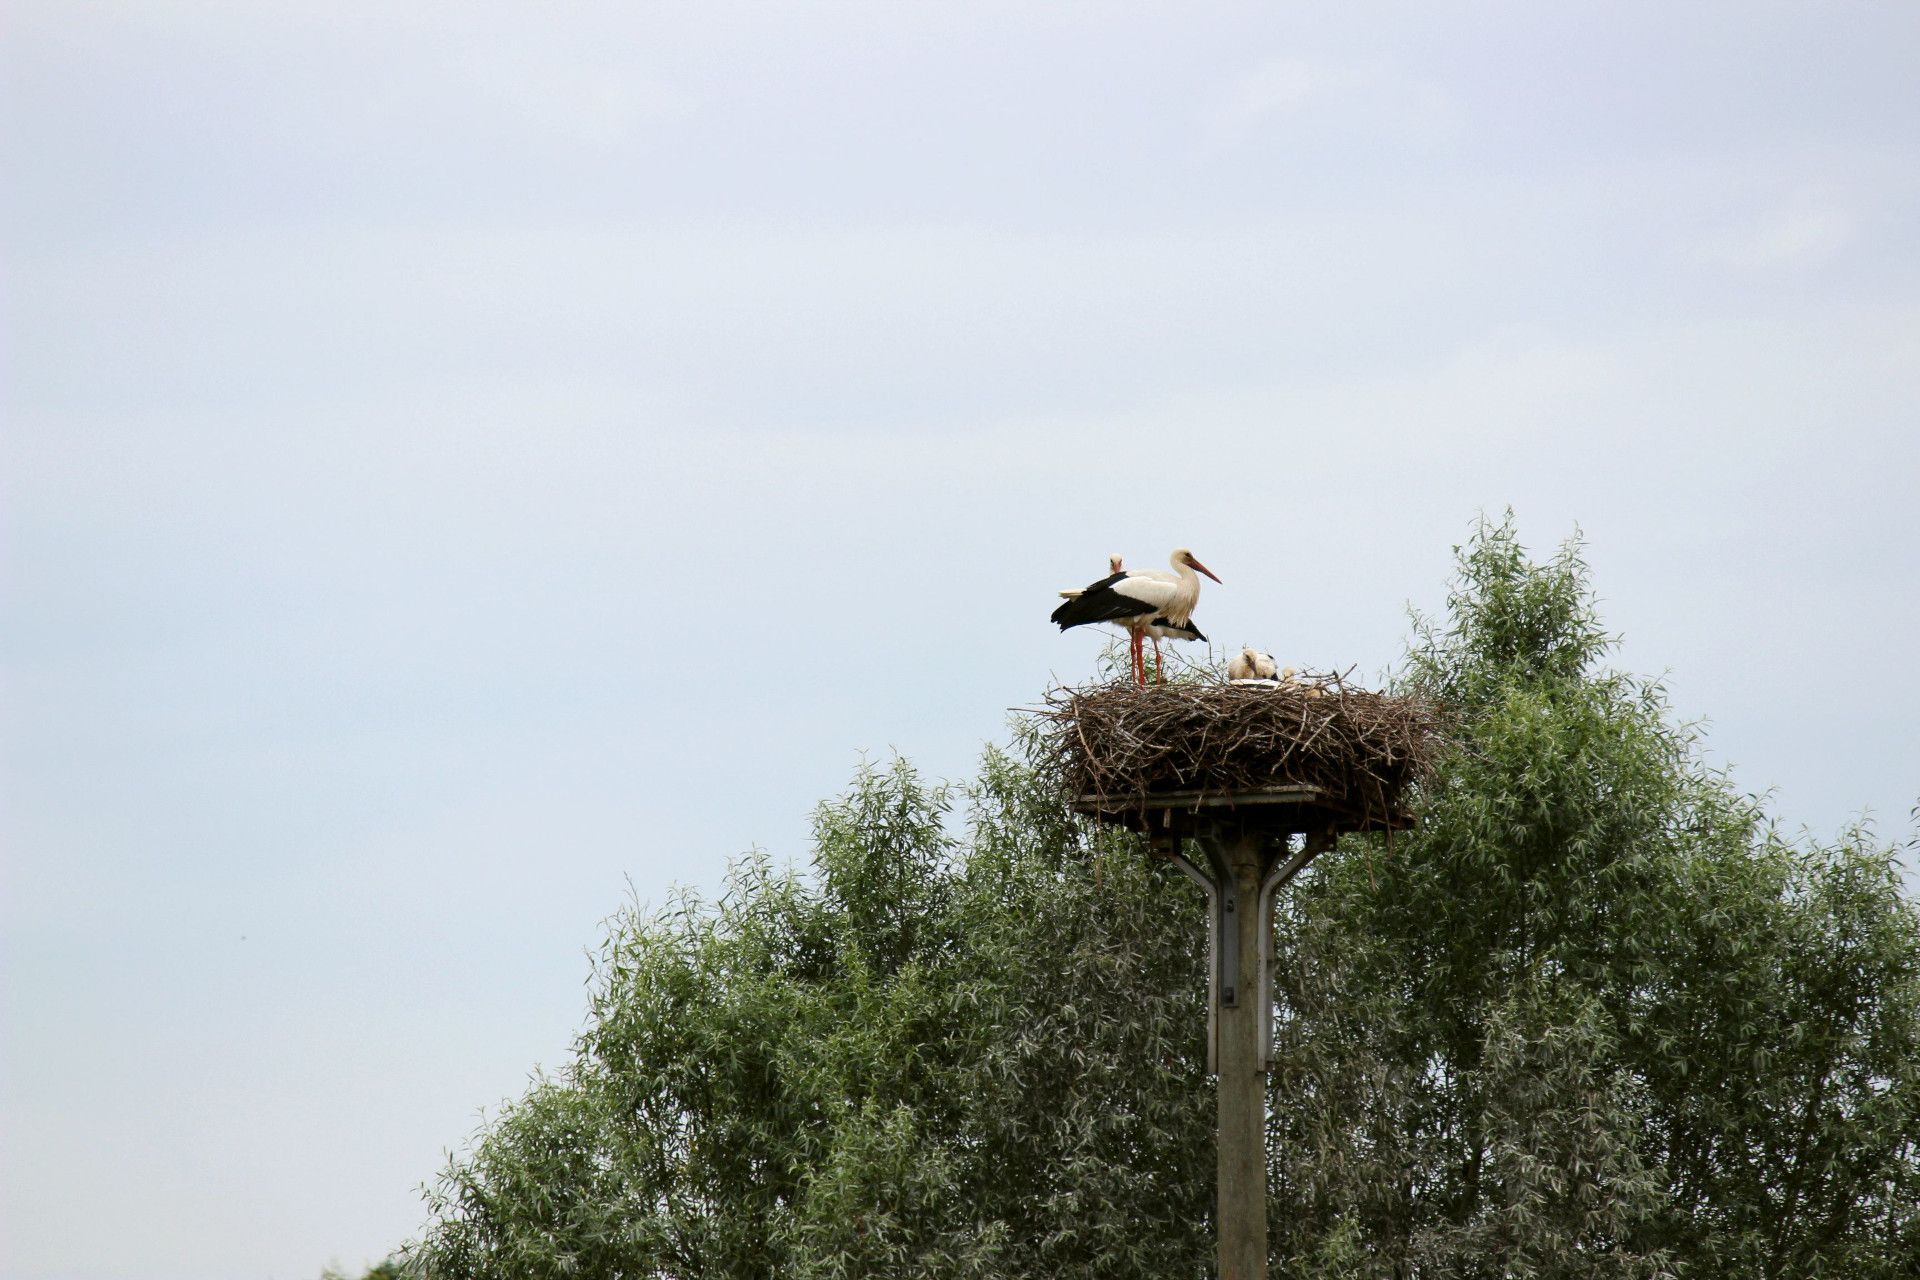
[(1251, 664), (1291, 678)]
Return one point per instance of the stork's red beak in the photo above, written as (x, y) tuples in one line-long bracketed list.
[(1200, 568)]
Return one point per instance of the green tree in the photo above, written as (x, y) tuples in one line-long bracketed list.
[(1593, 1017), (1595, 1011), (912, 1063)]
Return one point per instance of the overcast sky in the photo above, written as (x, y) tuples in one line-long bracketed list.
[(459, 460)]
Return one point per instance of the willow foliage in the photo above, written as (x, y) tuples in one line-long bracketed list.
[(1593, 1018), (941, 1054)]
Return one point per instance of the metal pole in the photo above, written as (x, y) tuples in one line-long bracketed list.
[(1241, 1020), (1278, 874), (1212, 890)]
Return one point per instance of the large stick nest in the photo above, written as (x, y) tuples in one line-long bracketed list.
[(1118, 742)]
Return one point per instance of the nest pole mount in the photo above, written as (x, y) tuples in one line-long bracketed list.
[(1247, 866), (1248, 854)]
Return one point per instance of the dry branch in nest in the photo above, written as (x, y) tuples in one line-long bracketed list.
[(1360, 749)]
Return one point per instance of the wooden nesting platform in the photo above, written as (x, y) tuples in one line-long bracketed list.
[(1183, 760), (1278, 811)]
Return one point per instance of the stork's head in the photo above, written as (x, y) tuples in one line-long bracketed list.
[(1113, 563), (1182, 556)]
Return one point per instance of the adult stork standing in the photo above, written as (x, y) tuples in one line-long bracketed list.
[(1145, 603), (1160, 628)]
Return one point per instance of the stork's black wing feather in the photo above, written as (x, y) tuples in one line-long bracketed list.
[(1099, 603), (1186, 629)]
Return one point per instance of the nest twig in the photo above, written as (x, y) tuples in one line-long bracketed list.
[(1360, 749)]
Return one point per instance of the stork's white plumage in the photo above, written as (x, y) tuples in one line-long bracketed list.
[(1163, 628), (1157, 630), (1145, 603), (1251, 664)]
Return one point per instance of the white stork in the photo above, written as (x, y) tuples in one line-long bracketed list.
[(1145, 603), (1159, 629), (1163, 628), (1251, 664)]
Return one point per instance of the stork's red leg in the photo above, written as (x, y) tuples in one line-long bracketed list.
[(1159, 671)]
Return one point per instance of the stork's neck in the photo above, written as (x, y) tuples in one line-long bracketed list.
[(1185, 595)]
